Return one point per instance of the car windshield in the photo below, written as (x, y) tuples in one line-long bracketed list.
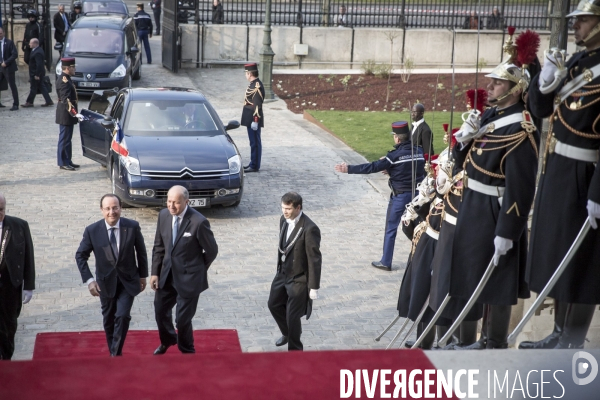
[(95, 41), (101, 7), (170, 118)]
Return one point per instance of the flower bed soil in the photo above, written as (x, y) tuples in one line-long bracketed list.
[(368, 93)]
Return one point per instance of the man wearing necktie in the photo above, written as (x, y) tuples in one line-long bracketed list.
[(8, 67), (298, 276), (116, 242), (184, 249), (61, 25)]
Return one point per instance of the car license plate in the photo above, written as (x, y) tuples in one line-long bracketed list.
[(89, 84), (197, 203)]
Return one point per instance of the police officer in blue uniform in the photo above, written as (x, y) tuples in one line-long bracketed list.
[(400, 163), (143, 24)]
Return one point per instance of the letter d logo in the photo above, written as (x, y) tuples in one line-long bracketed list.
[(579, 367)]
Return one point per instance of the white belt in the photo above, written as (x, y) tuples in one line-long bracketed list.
[(502, 122), (432, 233), (576, 153), (450, 219), (496, 191)]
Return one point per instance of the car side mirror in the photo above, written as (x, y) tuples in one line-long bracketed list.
[(233, 124), (108, 123), (133, 51)]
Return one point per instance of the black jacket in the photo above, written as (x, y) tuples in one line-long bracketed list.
[(18, 252), (217, 14), (108, 270), (10, 55), (33, 30), (36, 63), (59, 27), (399, 163), (189, 258), (423, 137), (67, 97), (143, 22)]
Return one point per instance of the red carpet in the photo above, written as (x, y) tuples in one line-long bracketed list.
[(138, 343), (293, 375)]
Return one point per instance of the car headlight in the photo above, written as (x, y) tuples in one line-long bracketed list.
[(132, 165), (119, 72), (59, 68), (235, 164)]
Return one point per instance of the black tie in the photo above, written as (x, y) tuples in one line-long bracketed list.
[(113, 243)]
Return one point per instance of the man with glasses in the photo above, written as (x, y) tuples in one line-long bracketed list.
[(66, 114), (115, 242)]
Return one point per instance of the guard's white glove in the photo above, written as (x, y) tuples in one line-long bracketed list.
[(254, 126), (80, 117), (470, 127), (314, 294), (553, 71), (27, 295), (593, 212), (502, 246)]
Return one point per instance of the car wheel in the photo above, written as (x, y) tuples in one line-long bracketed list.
[(138, 74)]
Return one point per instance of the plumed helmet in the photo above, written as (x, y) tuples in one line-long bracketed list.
[(586, 7)]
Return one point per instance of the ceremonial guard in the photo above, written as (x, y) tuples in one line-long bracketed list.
[(402, 164), (66, 114), (252, 115), (569, 186), (498, 153)]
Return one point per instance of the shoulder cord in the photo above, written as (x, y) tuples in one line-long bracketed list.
[(419, 229)]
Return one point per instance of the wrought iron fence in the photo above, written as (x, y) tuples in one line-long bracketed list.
[(440, 14)]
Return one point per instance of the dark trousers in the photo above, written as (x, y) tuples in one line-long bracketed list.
[(116, 318), (11, 301), (157, 19), (143, 35), (255, 148), (287, 302), (396, 207), (34, 86), (10, 78), (65, 148), (164, 301)]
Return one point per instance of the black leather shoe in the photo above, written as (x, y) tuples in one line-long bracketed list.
[(281, 341), (75, 165), (549, 342), (162, 349), (379, 265), (250, 170), (409, 344), (478, 345), (67, 168), (14, 108)]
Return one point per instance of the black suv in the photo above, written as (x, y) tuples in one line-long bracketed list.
[(106, 51)]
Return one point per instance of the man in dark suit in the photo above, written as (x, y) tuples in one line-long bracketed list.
[(184, 248), (17, 276), (37, 71), (298, 277), (61, 25), (66, 114), (421, 132), (115, 242), (8, 67)]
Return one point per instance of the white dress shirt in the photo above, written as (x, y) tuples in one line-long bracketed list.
[(2, 50), (117, 236), (180, 216), (416, 124), (291, 225)]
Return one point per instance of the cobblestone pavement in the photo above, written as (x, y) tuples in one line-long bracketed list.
[(356, 301)]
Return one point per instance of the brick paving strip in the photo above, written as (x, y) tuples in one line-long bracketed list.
[(356, 301)]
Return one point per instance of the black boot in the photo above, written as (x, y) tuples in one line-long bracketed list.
[(498, 322), (483, 339), (468, 333), (550, 341), (427, 341), (578, 320), (441, 331)]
